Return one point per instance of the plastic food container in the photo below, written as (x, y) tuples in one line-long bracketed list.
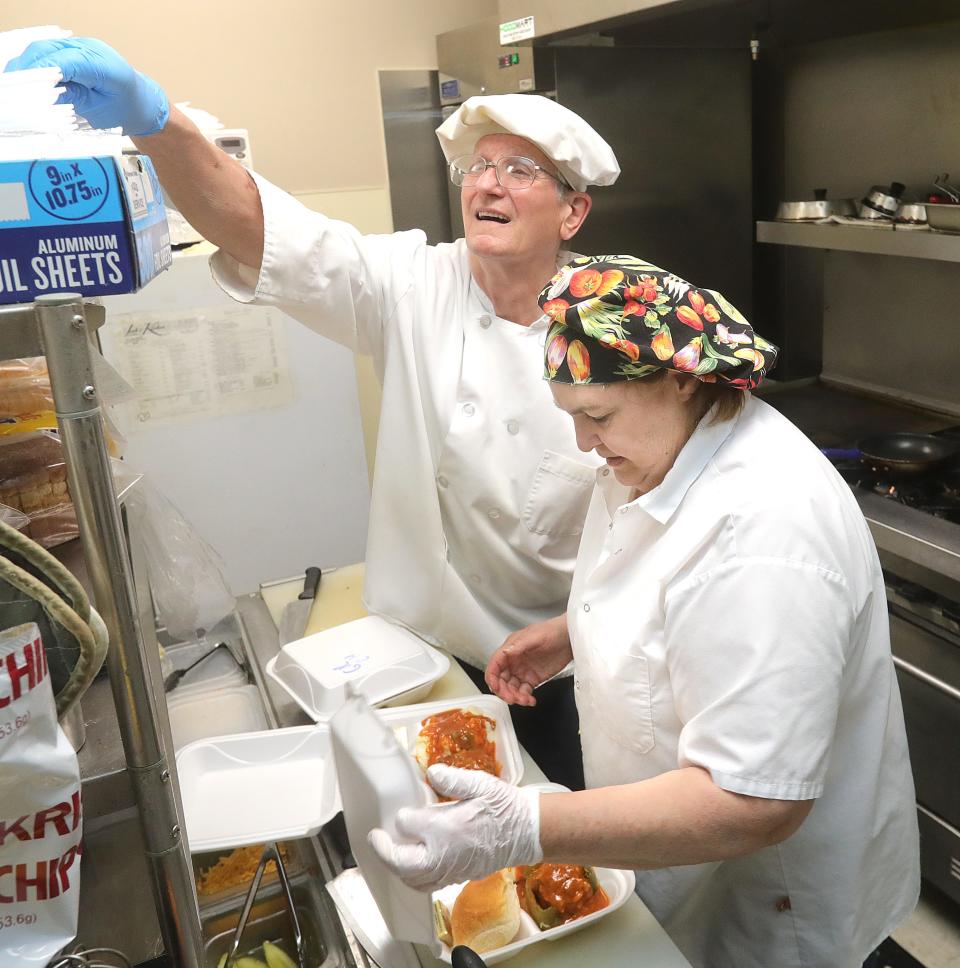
[(383, 662), (256, 787), (214, 712)]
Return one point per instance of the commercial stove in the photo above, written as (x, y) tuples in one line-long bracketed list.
[(915, 523)]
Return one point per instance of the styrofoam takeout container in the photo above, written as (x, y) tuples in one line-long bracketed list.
[(377, 778), (617, 884), (280, 784), (255, 787), (383, 662), (406, 722), (360, 910)]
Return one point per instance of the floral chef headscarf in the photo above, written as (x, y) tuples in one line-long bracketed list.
[(616, 317)]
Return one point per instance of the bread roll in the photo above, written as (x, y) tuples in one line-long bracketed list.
[(486, 914)]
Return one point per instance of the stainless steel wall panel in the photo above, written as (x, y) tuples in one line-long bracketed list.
[(415, 163), (679, 122)]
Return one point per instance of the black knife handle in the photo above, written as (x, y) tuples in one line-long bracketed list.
[(310, 584)]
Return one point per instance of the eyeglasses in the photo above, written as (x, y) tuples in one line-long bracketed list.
[(514, 172)]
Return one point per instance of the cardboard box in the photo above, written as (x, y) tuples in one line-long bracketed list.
[(95, 226)]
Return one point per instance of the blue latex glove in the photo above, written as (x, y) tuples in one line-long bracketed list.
[(101, 85)]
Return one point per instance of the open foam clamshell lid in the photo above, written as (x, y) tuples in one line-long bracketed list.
[(254, 787), (379, 659), (376, 778)]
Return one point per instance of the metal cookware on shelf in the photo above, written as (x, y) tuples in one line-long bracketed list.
[(818, 208), (881, 202), (901, 455), (913, 213), (943, 217)]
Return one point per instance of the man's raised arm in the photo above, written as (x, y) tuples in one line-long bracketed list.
[(213, 191)]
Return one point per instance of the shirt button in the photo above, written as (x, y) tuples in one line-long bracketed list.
[(484, 322), (469, 409), (513, 426), (476, 579), (605, 472), (494, 513), (442, 481), (586, 606), (624, 510)]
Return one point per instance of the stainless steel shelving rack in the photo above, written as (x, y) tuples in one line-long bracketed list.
[(909, 244), (59, 327)]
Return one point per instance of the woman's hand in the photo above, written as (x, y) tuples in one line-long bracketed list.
[(492, 825), (528, 658)]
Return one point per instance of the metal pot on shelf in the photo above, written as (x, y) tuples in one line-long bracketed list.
[(882, 203), (819, 207), (912, 213)]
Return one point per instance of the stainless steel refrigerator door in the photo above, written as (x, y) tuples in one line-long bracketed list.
[(416, 168)]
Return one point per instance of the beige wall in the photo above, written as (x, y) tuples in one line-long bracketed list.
[(301, 75)]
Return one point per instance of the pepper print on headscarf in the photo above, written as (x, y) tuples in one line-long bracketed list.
[(616, 317)]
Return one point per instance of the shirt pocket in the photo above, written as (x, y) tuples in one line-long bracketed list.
[(622, 701), (559, 496)]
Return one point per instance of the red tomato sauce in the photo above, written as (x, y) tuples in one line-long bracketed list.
[(459, 738), (565, 888)]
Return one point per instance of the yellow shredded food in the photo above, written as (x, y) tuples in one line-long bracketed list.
[(236, 869)]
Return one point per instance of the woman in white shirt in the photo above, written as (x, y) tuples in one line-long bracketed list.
[(742, 732)]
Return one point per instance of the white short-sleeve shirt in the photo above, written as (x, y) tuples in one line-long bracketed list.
[(734, 618), (479, 491)]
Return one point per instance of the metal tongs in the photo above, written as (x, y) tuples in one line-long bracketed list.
[(270, 852)]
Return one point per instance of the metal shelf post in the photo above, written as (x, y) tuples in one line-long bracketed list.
[(61, 323)]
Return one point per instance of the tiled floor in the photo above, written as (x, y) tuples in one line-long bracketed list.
[(932, 933)]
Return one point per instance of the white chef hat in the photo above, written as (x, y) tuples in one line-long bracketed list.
[(580, 154)]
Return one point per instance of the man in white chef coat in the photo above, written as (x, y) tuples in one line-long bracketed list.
[(479, 491)]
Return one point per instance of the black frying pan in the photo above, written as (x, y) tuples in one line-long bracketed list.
[(902, 455)]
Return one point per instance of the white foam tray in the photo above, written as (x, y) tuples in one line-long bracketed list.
[(383, 662), (618, 885), (254, 787)]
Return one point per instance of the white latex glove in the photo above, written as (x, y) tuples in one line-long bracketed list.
[(492, 825)]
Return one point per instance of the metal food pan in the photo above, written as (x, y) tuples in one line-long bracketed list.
[(943, 217)]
